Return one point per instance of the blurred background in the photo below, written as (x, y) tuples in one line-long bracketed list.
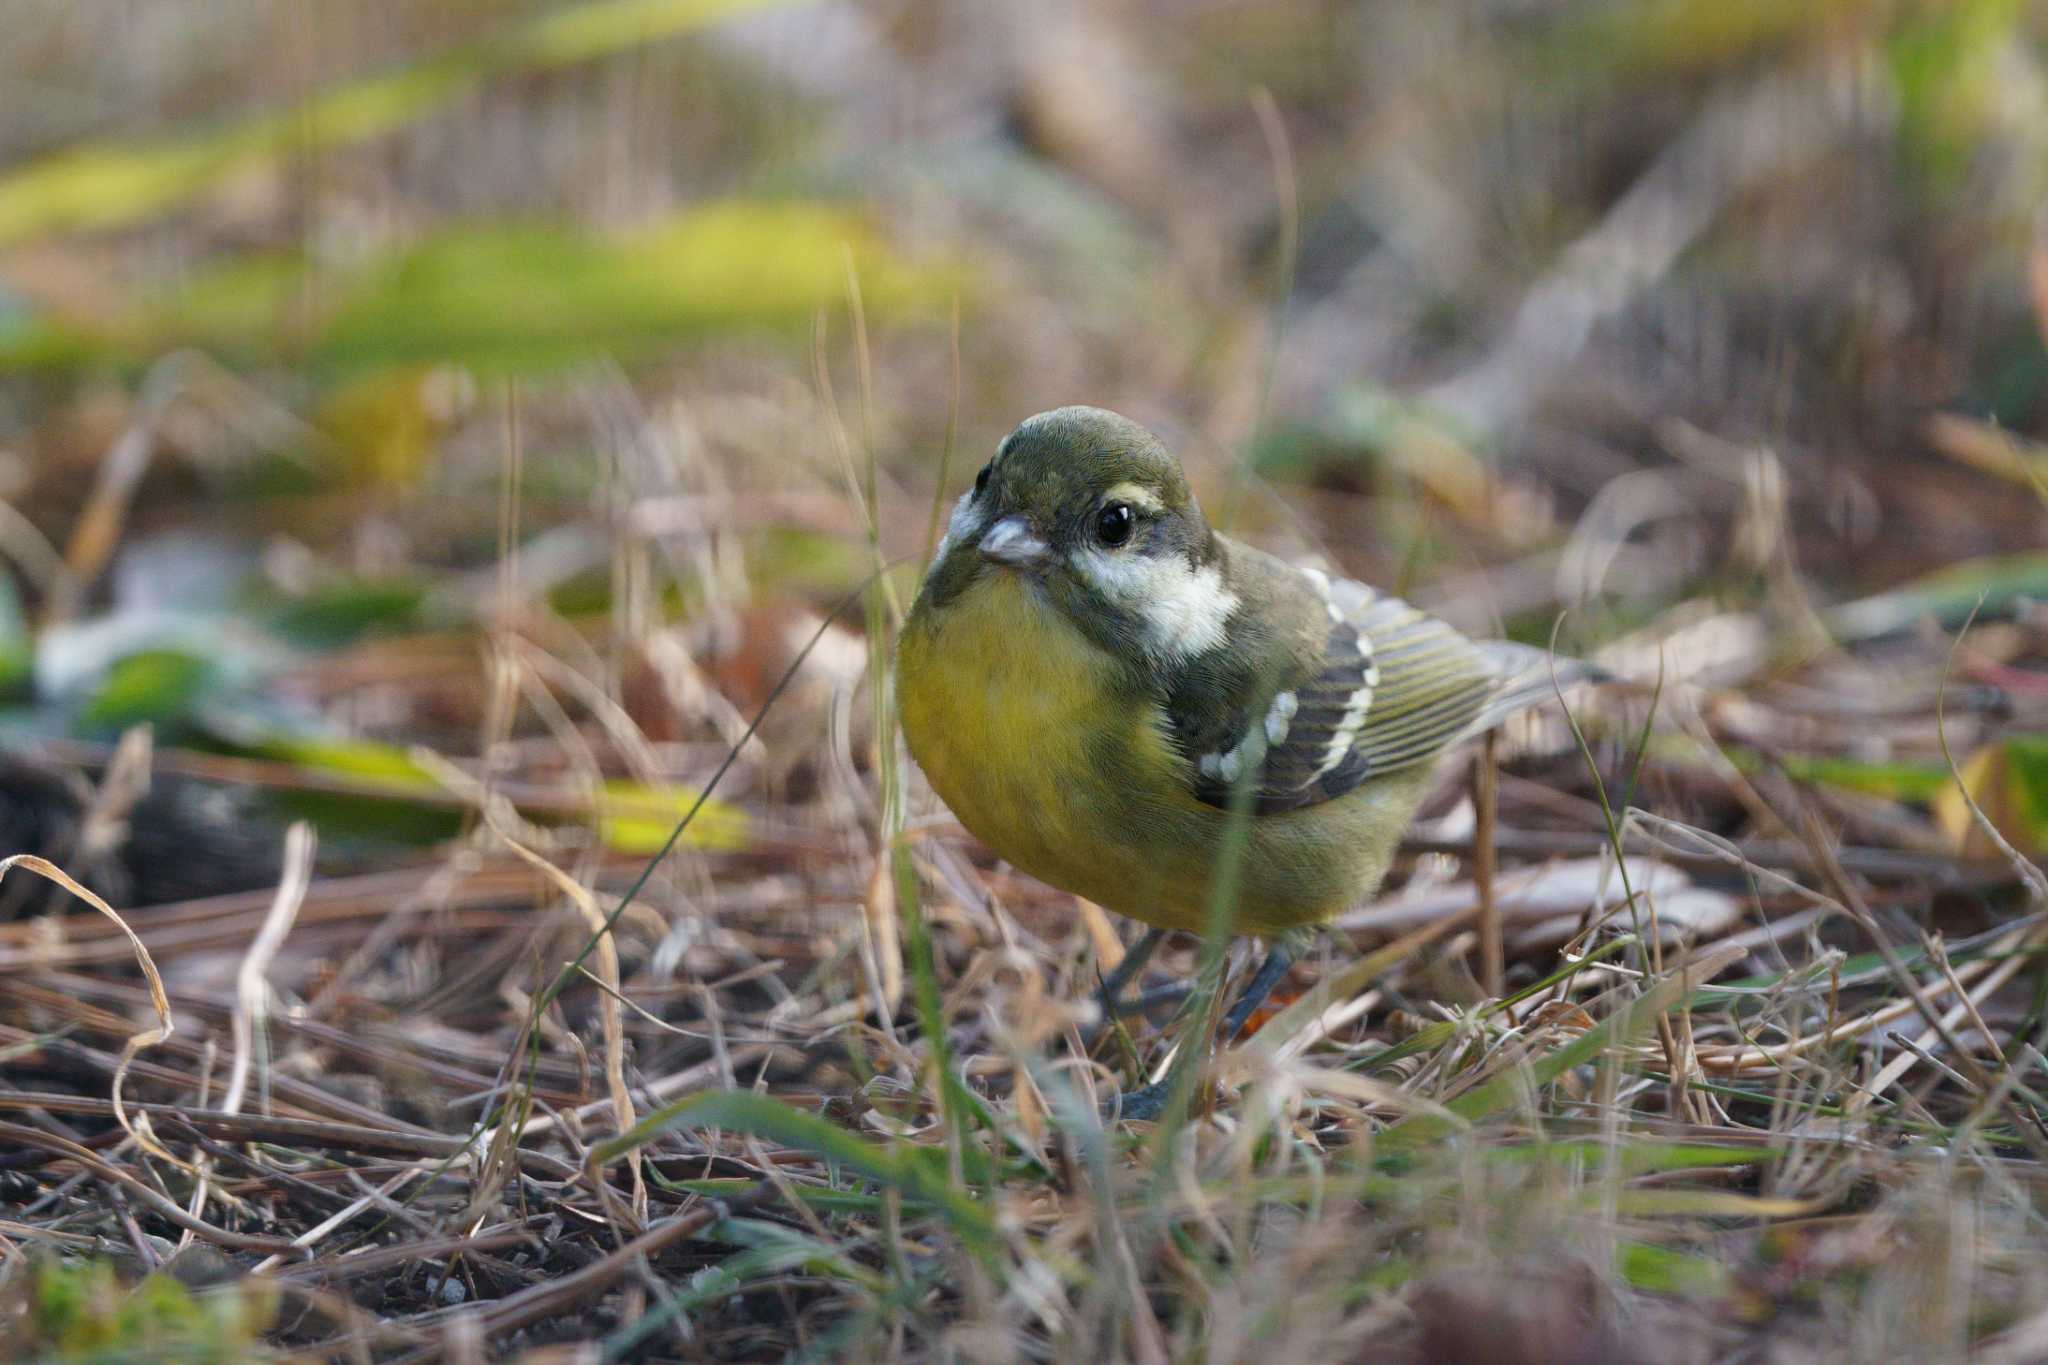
[(444, 423), (1439, 275), (331, 336), (1602, 299)]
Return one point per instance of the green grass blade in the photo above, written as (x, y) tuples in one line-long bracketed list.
[(906, 1170)]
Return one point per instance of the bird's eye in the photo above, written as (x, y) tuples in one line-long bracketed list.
[(1113, 524), (981, 479)]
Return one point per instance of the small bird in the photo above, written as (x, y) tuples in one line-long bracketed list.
[(1090, 674)]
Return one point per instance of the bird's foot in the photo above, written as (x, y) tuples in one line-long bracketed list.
[(1109, 996), (1144, 1002), (1141, 1105)]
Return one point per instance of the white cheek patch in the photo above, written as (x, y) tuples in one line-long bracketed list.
[(1182, 609)]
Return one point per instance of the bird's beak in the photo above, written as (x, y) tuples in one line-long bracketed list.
[(1011, 542)]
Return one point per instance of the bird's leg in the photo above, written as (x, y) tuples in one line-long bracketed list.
[(1111, 1006), (1152, 997), (1149, 1101), (1278, 960), (1134, 959)]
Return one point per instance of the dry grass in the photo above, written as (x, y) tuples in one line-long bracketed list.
[(1736, 1094), (1762, 1077)]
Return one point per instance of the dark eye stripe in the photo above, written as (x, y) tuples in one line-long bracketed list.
[(981, 479)]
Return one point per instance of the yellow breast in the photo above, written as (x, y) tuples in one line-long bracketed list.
[(1012, 715)]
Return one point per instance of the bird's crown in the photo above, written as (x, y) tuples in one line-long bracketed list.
[(1059, 465)]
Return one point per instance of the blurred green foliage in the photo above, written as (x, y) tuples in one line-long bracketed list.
[(160, 687), (1662, 38), (340, 613), (2008, 782), (511, 298), (77, 1312), (1951, 595), (17, 644), (520, 298), (108, 185), (1946, 64)]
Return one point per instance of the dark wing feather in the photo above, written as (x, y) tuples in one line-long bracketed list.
[(1433, 682), (1392, 687)]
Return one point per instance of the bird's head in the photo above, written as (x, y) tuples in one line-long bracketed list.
[(1095, 517)]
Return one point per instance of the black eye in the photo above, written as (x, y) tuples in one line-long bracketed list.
[(1113, 524), (981, 479)]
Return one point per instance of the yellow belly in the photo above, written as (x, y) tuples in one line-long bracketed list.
[(1016, 719), (1008, 711)]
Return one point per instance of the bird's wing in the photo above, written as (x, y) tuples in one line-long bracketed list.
[(1390, 686)]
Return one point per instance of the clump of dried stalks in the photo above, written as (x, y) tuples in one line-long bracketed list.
[(1764, 1065)]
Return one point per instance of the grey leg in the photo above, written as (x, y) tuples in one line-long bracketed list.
[(1255, 991), (1152, 997), (1134, 959), (1148, 1101)]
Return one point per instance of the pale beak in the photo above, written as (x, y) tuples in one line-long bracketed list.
[(1013, 543)]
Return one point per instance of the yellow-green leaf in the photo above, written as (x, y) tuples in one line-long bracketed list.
[(153, 685), (388, 765), (637, 819), (513, 298), (2009, 782), (99, 186)]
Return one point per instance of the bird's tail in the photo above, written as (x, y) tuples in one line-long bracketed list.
[(1528, 676)]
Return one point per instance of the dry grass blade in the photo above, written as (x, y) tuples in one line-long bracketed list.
[(608, 974), (27, 1138), (252, 993), (157, 999)]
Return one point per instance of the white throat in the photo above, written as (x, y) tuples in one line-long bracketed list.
[(1182, 608)]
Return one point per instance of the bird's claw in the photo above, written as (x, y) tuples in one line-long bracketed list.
[(1141, 1105)]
